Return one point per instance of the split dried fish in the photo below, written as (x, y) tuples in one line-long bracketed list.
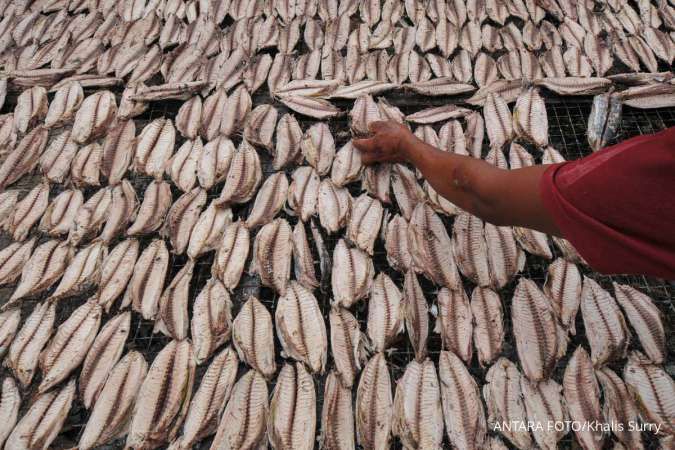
[(498, 121), (407, 191), (610, 336), (154, 147), (337, 416), (212, 114), (235, 111), (348, 345), (109, 418), (83, 271), (65, 104), (260, 125), (504, 399), (396, 244), (563, 289), (118, 150), (211, 319), (40, 425), (24, 157), (303, 260), (354, 90), (269, 201), (645, 318), (182, 218), (208, 230), (147, 281), (465, 426), (529, 118), (582, 397), (334, 206), (303, 192), (365, 221), (253, 337), (310, 106), (9, 325), (102, 357), (374, 405), (416, 314), (163, 398), (352, 274), (86, 165), (182, 167), (318, 147), (657, 95), (539, 341), (69, 345), (385, 313), (376, 181), (231, 255), (243, 176), (153, 209), (44, 268), (95, 115), (245, 430), (604, 120), (288, 137), (619, 407), (418, 416), (455, 322), (214, 162), (574, 85), (27, 212), (189, 117), (31, 107), (121, 212), (437, 114), (544, 404), (173, 319), (272, 252), (10, 402)]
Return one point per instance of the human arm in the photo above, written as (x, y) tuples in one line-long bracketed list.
[(501, 197)]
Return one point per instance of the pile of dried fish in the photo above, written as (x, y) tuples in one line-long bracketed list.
[(112, 221)]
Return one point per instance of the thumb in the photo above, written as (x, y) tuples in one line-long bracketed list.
[(365, 145), (376, 126)]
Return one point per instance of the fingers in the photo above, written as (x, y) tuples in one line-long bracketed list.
[(376, 126), (365, 145), (370, 158)]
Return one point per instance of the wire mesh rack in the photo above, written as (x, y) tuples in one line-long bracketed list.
[(567, 133)]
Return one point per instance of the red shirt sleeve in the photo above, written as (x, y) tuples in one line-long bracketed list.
[(617, 206)]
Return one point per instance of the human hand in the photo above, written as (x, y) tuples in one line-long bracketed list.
[(389, 143)]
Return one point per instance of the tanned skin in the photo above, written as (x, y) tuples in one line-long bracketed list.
[(501, 197)]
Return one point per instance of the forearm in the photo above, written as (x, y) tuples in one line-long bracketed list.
[(502, 197)]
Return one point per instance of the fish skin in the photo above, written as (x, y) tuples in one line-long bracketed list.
[(27, 212), (505, 258), (163, 400), (68, 347), (24, 157), (318, 147), (657, 95), (346, 166), (416, 314), (269, 200), (63, 107), (45, 266), (334, 206), (337, 416), (601, 313), (582, 397), (574, 85), (83, 271), (40, 425), (10, 402), (455, 322), (652, 388), (153, 209), (104, 353), (86, 166), (303, 192), (645, 318), (182, 218), (243, 176), (303, 260), (188, 119), (249, 394), (209, 400), (272, 251), (543, 403), (182, 167), (365, 221), (376, 181), (503, 396), (173, 319), (418, 416), (407, 191), (619, 407), (31, 107), (116, 401), (563, 288), (122, 211), (214, 163), (145, 286), (396, 244), (23, 354), (385, 313), (466, 427), (211, 320), (154, 147), (348, 345), (509, 90), (604, 120), (374, 405), (364, 112), (437, 114), (288, 137), (95, 115), (253, 337), (354, 90), (231, 255), (498, 121), (352, 274)]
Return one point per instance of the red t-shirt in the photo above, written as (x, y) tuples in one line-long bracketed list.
[(617, 206)]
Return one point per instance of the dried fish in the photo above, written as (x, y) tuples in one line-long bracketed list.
[(86, 165), (118, 149), (303, 192), (334, 206), (44, 268), (237, 430), (188, 119), (619, 408), (110, 415), (31, 107), (396, 244), (440, 86), (151, 213), (94, 116), (164, 397), (610, 336), (376, 181), (288, 137), (563, 289), (9, 325), (455, 322), (211, 319), (337, 417), (385, 313), (214, 162), (374, 405), (40, 425), (544, 404), (182, 218), (416, 315), (465, 425), (645, 318), (69, 345), (24, 157), (147, 281), (269, 201), (182, 167), (498, 121), (173, 319), (504, 399), (574, 85), (83, 271), (66, 102), (272, 252), (348, 345), (121, 212), (582, 397), (208, 230), (231, 255), (154, 147), (10, 402), (303, 260), (365, 221), (253, 337), (27, 212), (260, 124), (243, 176), (352, 274), (529, 118), (657, 95), (604, 120)]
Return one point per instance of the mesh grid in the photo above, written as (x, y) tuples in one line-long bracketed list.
[(567, 133)]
